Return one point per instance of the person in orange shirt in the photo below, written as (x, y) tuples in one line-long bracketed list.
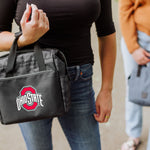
[(135, 45)]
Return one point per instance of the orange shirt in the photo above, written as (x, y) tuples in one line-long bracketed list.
[(134, 15)]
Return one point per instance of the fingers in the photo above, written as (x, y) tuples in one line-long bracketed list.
[(26, 14), (36, 27), (42, 15), (43, 20), (97, 115), (38, 16), (103, 106), (146, 53), (101, 115), (147, 57), (141, 56), (47, 22), (107, 117), (144, 60), (35, 13)]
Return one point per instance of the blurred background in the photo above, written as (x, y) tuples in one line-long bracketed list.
[(113, 132)]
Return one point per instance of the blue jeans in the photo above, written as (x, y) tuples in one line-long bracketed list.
[(79, 125), (134, 112)]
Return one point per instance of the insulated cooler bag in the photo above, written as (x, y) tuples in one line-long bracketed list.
[(34, 84)]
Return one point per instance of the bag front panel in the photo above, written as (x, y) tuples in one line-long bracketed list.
[(35, 96), (139, 87)]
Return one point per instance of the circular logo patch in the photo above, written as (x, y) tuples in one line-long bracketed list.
[(29, 99)]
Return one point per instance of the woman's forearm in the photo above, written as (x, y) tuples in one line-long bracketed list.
[(107, 52), (6, 40)]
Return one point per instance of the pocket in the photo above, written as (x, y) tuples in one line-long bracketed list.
[(86, 72)]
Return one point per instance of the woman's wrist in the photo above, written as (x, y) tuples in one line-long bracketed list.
[(106, 88), (21, 41)]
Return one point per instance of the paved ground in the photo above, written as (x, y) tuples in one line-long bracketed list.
[(112, 133)]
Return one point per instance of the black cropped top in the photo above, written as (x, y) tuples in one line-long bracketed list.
[(70, 23)]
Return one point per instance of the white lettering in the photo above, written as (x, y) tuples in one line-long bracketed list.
[(29, 99)]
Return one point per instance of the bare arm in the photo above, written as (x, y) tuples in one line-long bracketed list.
[(39, 22), (107, 52), (6, 39)]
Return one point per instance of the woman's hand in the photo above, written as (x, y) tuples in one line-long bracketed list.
[(35, 28), (103, 106), (141, 56)]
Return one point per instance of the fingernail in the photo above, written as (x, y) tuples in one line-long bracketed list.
[(96, 115), (33, 4), (27, 5)]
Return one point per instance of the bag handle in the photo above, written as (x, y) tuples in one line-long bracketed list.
[(139, 70), (13, 52), (39, 57), (12, 57), (37, 54)]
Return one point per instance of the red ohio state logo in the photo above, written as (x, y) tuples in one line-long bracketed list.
[(29, 99)]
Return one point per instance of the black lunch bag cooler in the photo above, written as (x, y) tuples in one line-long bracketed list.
[(34, 84)]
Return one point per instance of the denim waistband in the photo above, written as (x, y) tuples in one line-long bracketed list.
[(80, 70)]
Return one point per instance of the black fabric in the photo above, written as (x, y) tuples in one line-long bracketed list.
[(70, 23), (12, 55), (39, 57)]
